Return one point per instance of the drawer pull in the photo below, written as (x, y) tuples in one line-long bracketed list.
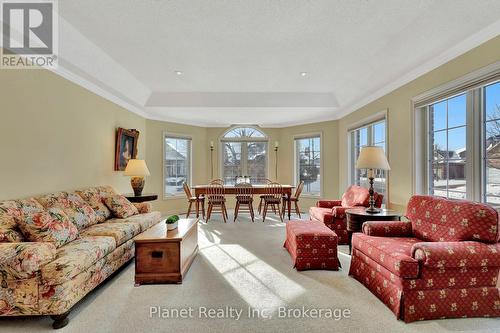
[(157, 254)]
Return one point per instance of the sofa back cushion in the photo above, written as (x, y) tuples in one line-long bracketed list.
[(51, 225), (355, 196), (94, 199), (120, 206), (10, 214), (78, 211), (443, 220)]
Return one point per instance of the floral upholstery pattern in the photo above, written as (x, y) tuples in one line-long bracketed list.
[(391, 252), (48, 226), (436, 219), (93, 198), (455, 278), (332, 212), (143, 207), (79, 212), (76, 257), (24, 260), (36, 278), (120, 206), (312, 245), (387, 229), (10, 214), (144, 221), (121, 232), (355, 196)]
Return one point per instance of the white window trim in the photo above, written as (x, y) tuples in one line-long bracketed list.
[(321, 163), (166, 135), (375, 118), (222, 140), (420, 124)]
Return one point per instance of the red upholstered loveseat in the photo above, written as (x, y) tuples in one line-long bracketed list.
[(442, 263), (332, 212)]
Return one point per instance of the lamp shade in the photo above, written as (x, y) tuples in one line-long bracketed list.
[(136, 168), (372, 157)]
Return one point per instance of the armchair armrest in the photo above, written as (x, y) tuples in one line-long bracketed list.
[(143, 207), (457, 254), (24, 260), (387, 228), (328, 203), (339, 212)]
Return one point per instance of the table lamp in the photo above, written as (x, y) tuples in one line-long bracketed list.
[(137, 169), (370, 158)]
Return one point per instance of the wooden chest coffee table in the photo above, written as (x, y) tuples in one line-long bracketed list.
[(165, 257)]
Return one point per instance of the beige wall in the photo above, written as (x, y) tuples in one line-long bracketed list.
[(398, 105), (55, 135)]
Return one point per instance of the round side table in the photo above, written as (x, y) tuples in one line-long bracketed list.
[(142, 198), (357, 216)]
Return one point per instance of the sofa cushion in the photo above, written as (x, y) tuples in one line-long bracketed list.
[(438, 219), (321, 214), (52, 226), (24, 260), (144, 221), (92, 197), (121, 232), (392, 253), (355, 196), (10, 214), (78, 211), (120, 206), (75, 257)]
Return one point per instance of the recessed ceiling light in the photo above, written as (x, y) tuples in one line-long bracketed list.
[(303, 73), (179, 73)]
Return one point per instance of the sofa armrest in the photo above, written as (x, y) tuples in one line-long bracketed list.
[(387, 228), (143, 207), (328, 203), (464, 255), (24, 260), (339, 212)]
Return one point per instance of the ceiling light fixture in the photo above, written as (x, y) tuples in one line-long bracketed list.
[(178, 73), (303, 74)]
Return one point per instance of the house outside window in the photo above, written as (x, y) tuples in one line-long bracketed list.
[(244, 153), (308, 164), (177, 164)]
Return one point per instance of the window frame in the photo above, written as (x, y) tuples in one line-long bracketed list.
[(296, 177), (472, 85), (377, 118), (244, 148), (170, 135)]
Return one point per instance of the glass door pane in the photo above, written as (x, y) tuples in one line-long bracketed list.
[(256, 162), (232, 162)]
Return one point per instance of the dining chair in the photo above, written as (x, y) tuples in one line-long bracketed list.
[(273, 198), (294, 198), (268, 181), (217, 181), (216, 199), (244, 199), (192, 199)]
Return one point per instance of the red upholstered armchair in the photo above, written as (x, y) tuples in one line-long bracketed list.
[(332, 212), (442, 263)]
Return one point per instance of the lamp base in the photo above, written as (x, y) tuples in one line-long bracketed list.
[(372, 210), (137, 185)]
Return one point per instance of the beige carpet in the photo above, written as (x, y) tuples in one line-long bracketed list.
[(241, 265)]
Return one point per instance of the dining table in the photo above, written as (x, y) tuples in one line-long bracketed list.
[(258, 189)]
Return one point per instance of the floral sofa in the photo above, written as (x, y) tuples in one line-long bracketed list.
[(332, 212), (56, 248), (442, 263)]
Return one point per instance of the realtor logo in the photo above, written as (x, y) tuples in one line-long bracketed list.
[(29, 34)]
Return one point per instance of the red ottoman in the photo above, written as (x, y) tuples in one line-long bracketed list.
[(312, 245)]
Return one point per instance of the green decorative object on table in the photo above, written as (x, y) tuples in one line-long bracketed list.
[(172, 222)]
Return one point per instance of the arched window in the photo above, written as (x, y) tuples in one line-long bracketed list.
[(244, 153)]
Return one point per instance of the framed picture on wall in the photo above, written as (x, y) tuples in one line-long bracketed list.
[(126, 147)]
